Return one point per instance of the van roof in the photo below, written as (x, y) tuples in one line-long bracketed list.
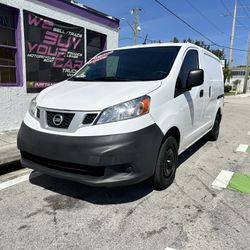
[(185, 45)]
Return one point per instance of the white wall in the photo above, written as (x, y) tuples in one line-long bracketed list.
[(240, 87), (14, 101)]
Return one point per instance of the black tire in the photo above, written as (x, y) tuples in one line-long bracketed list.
[(214, 133), (166, 164)]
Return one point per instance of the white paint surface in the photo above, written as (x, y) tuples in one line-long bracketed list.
[(17, 180), (222, 179), (248, 133), (242, 148)]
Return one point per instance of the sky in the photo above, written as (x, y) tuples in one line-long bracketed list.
[(211, 18)]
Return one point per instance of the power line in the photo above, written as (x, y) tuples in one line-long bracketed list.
[(244, 9), (245, 5), (194, 29), (204, 16), (212, 23), (183, 21), (230, 14)]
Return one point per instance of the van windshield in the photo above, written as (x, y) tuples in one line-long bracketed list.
[(138, 64)]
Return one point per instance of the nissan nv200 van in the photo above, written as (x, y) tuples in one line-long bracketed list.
[(125, 116)]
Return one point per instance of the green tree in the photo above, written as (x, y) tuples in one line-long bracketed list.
[(227, 74), (174, 40), (218, 52)]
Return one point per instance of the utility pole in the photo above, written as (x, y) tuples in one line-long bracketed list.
[(136, 27), (232, 36), (247, 68)]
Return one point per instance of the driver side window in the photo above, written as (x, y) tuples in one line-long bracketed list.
[(191, 62)]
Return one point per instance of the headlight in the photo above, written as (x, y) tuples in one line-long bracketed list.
[(32, 108), (126, 110)]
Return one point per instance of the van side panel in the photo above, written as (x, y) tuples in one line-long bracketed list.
[(213, 76), (191, 113)]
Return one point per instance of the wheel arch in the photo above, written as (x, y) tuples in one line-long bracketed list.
[(175, 132), (219, 112)]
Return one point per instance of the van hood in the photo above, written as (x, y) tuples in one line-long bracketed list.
[(90, 96)]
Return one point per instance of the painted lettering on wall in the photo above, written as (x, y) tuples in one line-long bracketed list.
[(54, 50)]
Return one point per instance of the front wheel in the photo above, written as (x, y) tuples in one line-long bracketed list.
[(214, 133), (166, 164)]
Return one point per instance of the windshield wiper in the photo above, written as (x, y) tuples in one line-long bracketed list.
[(110, 78), (78, 79), (104, 78)]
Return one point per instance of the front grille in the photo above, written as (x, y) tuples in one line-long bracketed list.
[(38, 113), (89, 118), (67, 118), (65, 166)]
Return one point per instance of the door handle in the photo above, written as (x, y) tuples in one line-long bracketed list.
[(210, 91), (201, 93)]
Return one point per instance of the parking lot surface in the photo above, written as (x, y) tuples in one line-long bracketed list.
[(48, 213)]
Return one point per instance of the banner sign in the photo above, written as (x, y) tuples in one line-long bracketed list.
[(54, 50)]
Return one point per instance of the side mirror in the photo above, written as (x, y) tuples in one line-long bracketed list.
[(195, 78)]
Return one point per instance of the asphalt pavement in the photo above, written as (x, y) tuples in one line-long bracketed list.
[(8, 148), (42, 212)]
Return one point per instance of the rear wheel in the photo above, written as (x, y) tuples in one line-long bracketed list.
[(214, 133), (166, 164)]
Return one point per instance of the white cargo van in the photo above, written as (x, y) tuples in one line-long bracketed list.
[(125, 116)]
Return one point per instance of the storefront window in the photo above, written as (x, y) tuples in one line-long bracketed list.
[(95, 43), (8, 47)]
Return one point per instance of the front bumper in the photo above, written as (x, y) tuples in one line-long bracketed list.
[(110, 160)]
